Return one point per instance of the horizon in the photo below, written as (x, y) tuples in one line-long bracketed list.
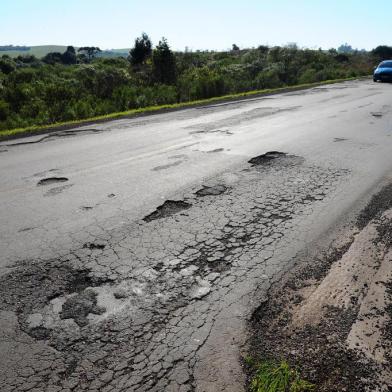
[(180, 50), (252, 23)]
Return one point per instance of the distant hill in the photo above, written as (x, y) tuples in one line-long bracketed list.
[(114, 53), (42, 50), (12, 47)]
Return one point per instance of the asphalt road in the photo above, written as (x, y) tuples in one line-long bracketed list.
[(133, 252)]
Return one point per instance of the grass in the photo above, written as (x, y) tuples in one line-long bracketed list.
[(11, 133), (271, 377), (42, 50), (37, 51)]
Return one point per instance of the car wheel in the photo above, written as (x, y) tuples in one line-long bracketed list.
[(375, 80)]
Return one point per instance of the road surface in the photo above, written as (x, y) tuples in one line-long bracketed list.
[(133, 252)]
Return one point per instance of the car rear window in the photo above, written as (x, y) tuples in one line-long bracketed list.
[(386, 64)]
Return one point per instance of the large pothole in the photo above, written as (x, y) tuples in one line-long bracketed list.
[(51, 180), (33, 285), (168, 208), (267, 157)]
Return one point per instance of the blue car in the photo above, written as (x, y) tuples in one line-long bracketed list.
[(383, 72)]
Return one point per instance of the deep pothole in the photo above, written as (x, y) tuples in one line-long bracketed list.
[(168, 208), (79, 306), (51, 180), (267, 157)]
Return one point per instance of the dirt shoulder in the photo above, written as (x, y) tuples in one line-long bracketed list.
[(332, 317)]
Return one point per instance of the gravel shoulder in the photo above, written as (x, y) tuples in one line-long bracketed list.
[(331, 318)]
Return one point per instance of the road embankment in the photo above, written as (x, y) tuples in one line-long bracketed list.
[(332, 318)]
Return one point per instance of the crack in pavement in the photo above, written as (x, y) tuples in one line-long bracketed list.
[(157, 298), (56, 135)]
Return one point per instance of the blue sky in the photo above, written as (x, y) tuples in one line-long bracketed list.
[(198, 24)]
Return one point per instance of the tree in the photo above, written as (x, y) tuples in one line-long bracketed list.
[(69, 56), (164, 63), (27, 59), (292, 45), (7, 65), (53, 58), (263, 49), (4, 110), (342, 58), (345, 48), (235, 48), (141, 51), (90, 51), (382, 52)]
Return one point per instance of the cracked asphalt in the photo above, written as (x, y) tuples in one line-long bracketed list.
[(133, 253)]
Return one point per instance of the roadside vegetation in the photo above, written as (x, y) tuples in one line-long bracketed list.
[(276, 377), (78, 84)]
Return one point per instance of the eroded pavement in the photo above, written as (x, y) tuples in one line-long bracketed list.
[(330, 317), (153, 292)]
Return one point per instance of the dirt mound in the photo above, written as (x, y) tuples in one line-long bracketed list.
[(331, 318)]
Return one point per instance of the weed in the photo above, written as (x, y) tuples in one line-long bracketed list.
[(271, 377)]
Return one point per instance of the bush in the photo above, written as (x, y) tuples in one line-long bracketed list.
[(199, 83), (7, 65), (308, 76), (268, 79), (33, 92), (4, 110)]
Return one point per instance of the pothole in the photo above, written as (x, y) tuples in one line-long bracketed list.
[(211, 190), (80, 306), (29, 288), (267, 157), (94, 245), (51, 180), (168, 208), (39, 333)]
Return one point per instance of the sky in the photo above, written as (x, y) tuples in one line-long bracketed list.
[(197, 24)]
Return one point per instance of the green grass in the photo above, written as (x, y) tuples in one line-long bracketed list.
[(9, 133), (271, 377), (42, 50), (37, 51)]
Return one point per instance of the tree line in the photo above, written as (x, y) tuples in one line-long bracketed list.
[(79, 84)]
